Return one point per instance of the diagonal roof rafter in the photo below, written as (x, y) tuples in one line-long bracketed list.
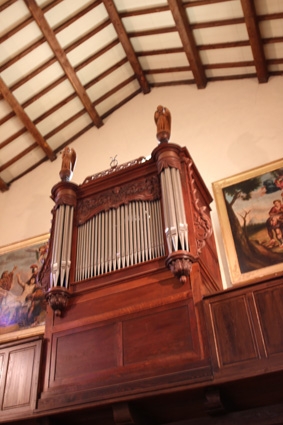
[(255, 40), (188, 41), (127, 46), (63, 60), (29, 125)]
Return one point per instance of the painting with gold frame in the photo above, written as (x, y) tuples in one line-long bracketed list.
[(22, 299), (250, 211)]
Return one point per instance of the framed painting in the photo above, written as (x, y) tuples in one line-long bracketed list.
[(22, 299), (250, 210)]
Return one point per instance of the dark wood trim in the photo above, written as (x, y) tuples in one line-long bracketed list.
[(3, 185), (29, 125), (187, 37), (17, 157), (63, 60), (127, 46), (255, 40)]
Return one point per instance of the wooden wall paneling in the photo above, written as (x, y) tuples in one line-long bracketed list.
[(233, 339), (245, 329), (20, 376), (79, 354), (269, 308)]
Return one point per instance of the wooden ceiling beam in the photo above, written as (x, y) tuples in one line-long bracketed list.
[(63, 60), (3, 185), (29, 125), (188, 41), (255, 40), (127, 46)]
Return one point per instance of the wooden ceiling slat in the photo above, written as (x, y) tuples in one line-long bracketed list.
[(51, 61), (153, 31), (223, 65), (272, 40), (3, 185), (271, 16), (90, 34), (127, 46), (63, 60), (55, 108), (32, 74), (7, 117), (13, 137), (27, 21), (97, 54), (255, 40), (120, 104), (74, 18), (203, 2), (58, 29), (21, 54), (73, 95), (115, 89), (18, 157), (9, 97), (6, 4), (227, 45), (161, 51), (106, 72), (145, 11), (65, 124), (187, 38), (64, 77), (82, 112)]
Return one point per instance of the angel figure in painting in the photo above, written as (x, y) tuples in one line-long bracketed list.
[(162, 118)]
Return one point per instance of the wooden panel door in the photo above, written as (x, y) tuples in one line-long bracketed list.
[(20, 363)]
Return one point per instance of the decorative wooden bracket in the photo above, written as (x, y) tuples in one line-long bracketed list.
[(58, 298), (180, 264)]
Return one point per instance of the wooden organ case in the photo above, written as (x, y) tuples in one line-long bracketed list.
[(138, 329), (131, 256)]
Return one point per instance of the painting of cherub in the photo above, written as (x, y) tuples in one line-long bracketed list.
[(22, 298)]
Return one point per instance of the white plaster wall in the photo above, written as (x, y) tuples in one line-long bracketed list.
[(228, 128)]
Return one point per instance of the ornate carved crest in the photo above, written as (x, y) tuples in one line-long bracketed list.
[(145, 189)]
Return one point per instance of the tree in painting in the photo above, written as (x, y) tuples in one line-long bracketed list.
[(252, 254)]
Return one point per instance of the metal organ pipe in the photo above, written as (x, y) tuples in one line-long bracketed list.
[(119, 238), (61, 253), (176, 227)]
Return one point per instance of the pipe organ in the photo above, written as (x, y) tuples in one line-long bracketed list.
[(138, 330), (131, 256), (130, 214)]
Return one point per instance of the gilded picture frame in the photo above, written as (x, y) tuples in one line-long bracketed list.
[(22, 300), (250, 211)]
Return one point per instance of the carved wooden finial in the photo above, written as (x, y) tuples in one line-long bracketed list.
[(68, 164), (162, 118)]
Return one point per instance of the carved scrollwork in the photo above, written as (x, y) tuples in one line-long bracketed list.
[(145, 189), (203, 228), (202, 222)]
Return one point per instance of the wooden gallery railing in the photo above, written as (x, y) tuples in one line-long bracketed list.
[(127, 215)]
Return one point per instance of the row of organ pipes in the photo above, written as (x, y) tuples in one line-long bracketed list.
[(119, 238)]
